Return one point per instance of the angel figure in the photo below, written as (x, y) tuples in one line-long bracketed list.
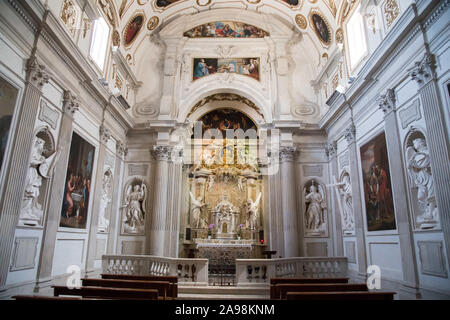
[(197, 207), (314, 213), (251, 209), (40, 167), (135, 206)]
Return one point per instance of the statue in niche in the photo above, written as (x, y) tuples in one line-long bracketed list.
[(251, 209), (103, 222), (240, 183), (135, 201), (197, 208), (315, 204), (419, 167), (345, 192), (225, 215), (211, 181), (41, 166)]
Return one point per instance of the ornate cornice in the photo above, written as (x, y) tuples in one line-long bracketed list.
[(37, 74), (121, 149), (70, 104), (423, 71), (350, 133), (162, 152), (287, 153), (386, 101), (105, 134)]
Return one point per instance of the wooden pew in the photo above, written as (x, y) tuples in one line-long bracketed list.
[(163, 287), (274, 281), (172, 279), (340, 296), (107, 293), (281, 289), (45, 298)]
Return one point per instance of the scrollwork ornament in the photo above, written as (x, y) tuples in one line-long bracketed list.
[(301, 21), (152, 23)]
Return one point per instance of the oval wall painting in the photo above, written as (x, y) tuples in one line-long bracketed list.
[(132, 29), (321, 28), (165, 3)]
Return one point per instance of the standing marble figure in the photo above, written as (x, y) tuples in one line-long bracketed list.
[(135, 206)]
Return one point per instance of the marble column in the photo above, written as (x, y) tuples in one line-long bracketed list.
[(36, 78), (275, 216), (350, 136), (115, 219), (386, 102), (43, 278), (434, 112), (288, 201), (173, 224), (104, 135), (339, 247), (162, 155)]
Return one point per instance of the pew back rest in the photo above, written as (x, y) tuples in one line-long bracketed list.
[(107, 293), (340, 296), (172, 279), (282, 288)]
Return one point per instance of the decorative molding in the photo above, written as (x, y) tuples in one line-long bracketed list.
[(350, 251), (24, 256), (121, 149), (410, 114), (391, 12), (432, 261), (386, 101), (105, 134), (350, 133), (37, 73), (152, 23), (301, 21), (423, 71), (344, 160), (137, 169), (70, 104), (331, 149), (287, 153), (339, 35), (48, 115)]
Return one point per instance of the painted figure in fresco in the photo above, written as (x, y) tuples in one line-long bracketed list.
[(419, 167), (314, 213), (135, 206), (197, 208), (226, 31), (221, 29), (379, 193), (201, 69), (321, 27), (133, 29)]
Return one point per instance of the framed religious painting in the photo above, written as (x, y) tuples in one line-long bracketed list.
[(78, 184), (225, 29), (377, 185), (132, 29), (245, 66), (321, 27)]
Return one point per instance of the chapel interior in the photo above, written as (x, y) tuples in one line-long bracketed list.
[(225, 149)]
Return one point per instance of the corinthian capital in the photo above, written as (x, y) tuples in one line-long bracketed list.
[(423, 71), (162, 152), (350, 133), (37, 74), (386, 101), (105, 134), (331, 149), (121, 149), (70, 103), (287, 153)]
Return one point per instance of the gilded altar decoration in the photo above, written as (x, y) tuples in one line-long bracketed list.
[(321, 27), (152, 23), (301, 21), (418, 163), (226, 29), (391, 12), (69, 15), (42, 163), (339, 35), (377, 185), (315, 214), (132, 29), (77, 190), (134, 207), (116, 38), (245, 66)]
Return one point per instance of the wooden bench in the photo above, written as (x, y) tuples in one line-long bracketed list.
[(274, 281), (163, 287), (107, 293), (281, 289), (49, 298), (172, 279), (340, 296)]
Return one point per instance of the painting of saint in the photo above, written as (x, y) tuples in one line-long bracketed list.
[(244, 66), (165, 3), (204, 67), (77, 188), (321, 28), (226, 29), (132, 29), (8, 96), (377, 185)]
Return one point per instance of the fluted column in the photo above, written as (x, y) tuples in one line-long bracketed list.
[(114, 221), (288, 201), (434, 113), (104, 135), (10, 204), (350, 136), (332, 149), (386, 103), (70, 106), (162, 155)]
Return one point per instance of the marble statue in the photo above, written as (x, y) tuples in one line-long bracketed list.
[(211, 181), (314, 213), (103, 222), (40, 167), (419, 167), (224, 211), (136, 197), (252, 209), (240, 184), (345, 192), (197, 208)]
